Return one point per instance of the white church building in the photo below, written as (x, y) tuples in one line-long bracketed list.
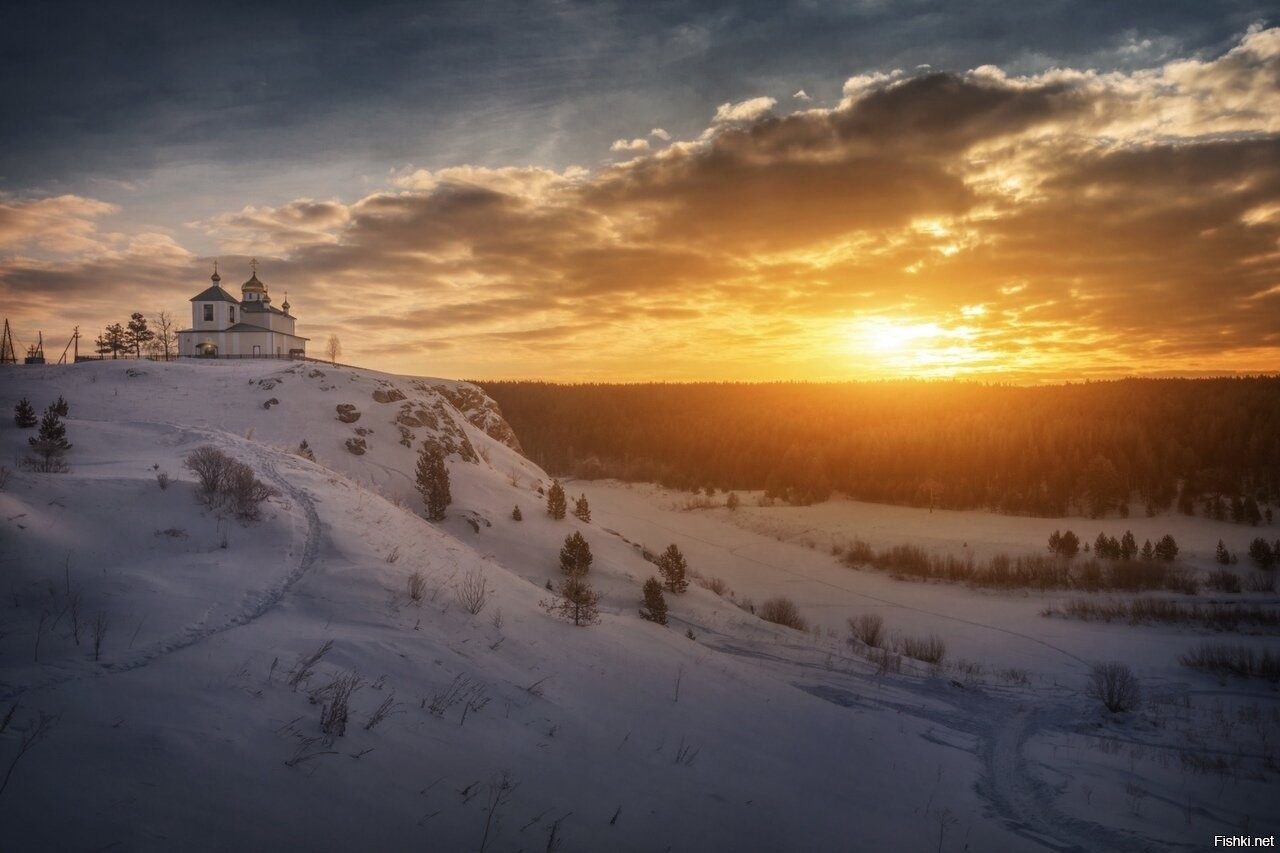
[(250, 327)]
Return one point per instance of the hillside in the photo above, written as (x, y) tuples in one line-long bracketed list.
[(510, 729)]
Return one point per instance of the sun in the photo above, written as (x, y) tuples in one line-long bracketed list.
[(912, 347)]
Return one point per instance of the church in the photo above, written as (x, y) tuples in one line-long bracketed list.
[(250, 327)]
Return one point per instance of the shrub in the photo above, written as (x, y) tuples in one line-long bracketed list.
[(60, 407), (1260, 582), (210, 466), (516, 514), (869, 628), (783, 611), (244, 491), (473, 591), (1223, 580), (717, 585), (1114, 685), (162, 480), (1231, 659), (417, 585), (930, 649)]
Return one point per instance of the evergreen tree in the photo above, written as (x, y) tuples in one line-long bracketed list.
[(24, 414), (1237, 509), (672, 567), (51, 442), (60, 407), (516, 515), (102, 346), (115, 337), (579, 603), (1148, 553), (1252, 514), (1167, 548), (1068, 545), (1221, 554), (136, 333), (1128, 546), (582, 509), (1261, 553), (655, 604), (733, 501), (433, 483), (575, 555), (556, 504)]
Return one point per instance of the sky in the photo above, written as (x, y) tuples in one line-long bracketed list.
[(661, 191)]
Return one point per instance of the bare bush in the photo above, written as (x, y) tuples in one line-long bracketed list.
[(1114, 685), (417, 585), (1232, 659), (210, 465), (716, 585), (100, 626), (162, 480), (305, 667), (930, 649), (335, 709), (868, 628), (1223, 580), (244, 491), (473, 591), (393, 554), (388, 707), (783, 611)]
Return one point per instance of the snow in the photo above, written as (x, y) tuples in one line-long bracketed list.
[(186, 735)]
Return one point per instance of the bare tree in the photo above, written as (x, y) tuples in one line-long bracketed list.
[(1114, 685), (333, 349), (166, 333)]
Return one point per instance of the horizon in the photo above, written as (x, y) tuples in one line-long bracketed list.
[(697, 194)]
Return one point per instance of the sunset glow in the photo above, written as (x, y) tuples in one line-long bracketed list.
[(1109, 214)]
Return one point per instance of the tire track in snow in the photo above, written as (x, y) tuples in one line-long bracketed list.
[(199, 631)]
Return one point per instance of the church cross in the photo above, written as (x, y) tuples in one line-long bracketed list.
[(253, 265)]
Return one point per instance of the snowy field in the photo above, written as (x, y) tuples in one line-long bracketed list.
[(195, 725)]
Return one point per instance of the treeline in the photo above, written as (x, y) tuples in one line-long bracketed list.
[(1208, 445), (137, 335)]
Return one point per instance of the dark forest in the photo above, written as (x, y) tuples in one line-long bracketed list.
[(1209, 446)]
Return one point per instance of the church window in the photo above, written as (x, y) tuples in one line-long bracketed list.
[(208, 313), (231, 313)]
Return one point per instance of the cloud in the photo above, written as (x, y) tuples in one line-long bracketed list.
[(1060, 224), (802, 95), (660, 134), (630, 146), (64, 224), (743, 111)]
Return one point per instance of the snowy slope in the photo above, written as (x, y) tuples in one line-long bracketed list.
[(186, 734)]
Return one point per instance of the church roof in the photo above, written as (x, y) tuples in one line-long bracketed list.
[(253, 283), (214, 293), (259, 308)]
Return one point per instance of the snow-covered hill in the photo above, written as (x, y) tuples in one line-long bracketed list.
[(195, 726)]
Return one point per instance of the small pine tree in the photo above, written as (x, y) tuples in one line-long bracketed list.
[(1221, 554), (137, 334), (1261, 553), (582, 509), (516, 515), (1167, 548), (733, 501), (579, 603), (24, 414), (1128, 546), (575, 556), (672, 567), (50, 443), (60, 406), (556, 504), (655, 604), (1148, 553), (433, 483)]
